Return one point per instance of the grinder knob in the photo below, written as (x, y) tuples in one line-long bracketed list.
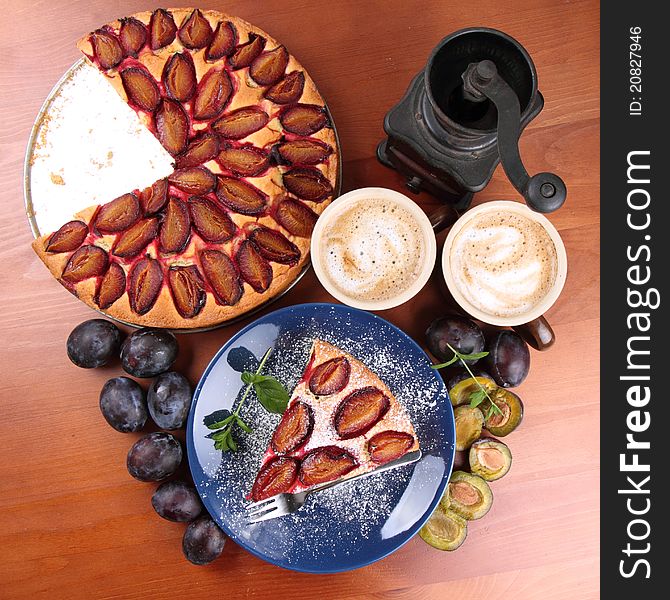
[(545, 192)]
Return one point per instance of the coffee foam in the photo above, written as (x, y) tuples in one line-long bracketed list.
[(373, 251), (503, 263)]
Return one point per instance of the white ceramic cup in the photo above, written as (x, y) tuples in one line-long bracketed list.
[(341, 206), (532, 322)]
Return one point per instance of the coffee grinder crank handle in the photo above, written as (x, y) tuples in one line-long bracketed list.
[(544, 192)]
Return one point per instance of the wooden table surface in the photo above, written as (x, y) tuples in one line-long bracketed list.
[(73, 524)]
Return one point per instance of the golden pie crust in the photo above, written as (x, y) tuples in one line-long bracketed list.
[(163, 313)]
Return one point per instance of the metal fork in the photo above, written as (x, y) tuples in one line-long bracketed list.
[(284, 504)]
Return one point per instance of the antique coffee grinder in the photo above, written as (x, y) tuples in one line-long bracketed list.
[(462, 115)]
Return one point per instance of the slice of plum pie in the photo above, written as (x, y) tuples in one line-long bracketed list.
[(341, 420)]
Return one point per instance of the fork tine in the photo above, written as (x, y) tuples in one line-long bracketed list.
[(254, 505), (258, 510), (271, 514), (261, 511)]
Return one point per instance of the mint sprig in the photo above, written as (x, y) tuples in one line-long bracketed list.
[(270, 393), (478, 396)]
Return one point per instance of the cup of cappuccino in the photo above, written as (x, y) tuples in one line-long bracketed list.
[(506, 265), (373, 248)]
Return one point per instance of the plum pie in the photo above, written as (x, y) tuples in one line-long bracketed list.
[(341, 420), (255, 163)]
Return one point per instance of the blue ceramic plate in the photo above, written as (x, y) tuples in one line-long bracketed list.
[(352, 524)]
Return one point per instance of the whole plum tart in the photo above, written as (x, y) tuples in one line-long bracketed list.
[(255, 163), (341, 420)]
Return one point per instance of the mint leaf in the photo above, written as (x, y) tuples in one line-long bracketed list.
[(272, 395), (243, 426), (249, 378), (446, 364), (221, 441), (212, 419), (224, 440), (252, 378), (477, 397), (475, 356), (220, 424)]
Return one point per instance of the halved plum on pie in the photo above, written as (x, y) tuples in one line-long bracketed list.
[(341, 420), (192, 261), (255, 161)]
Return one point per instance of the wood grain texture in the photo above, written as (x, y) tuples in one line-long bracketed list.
[(72, 522)]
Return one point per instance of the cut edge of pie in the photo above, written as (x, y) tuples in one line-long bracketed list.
[(341, 420), (185, 297)]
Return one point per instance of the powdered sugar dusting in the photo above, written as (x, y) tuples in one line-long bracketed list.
[(335, 521), (90, 148)]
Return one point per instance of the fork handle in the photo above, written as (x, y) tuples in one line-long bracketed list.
[(406, 459)]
